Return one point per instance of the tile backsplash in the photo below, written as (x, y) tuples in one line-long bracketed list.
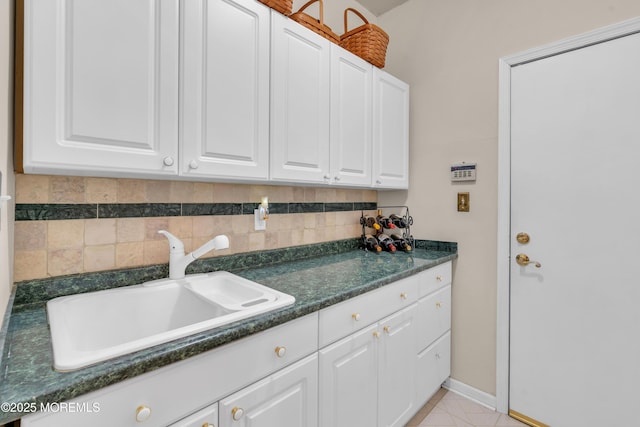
[(66, 225)]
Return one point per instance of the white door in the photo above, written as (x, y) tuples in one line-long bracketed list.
[(225, 89), (349, 381), (300, 86), (101, 87), (351, 88), (390, 131), (575, 144), (288, 398)]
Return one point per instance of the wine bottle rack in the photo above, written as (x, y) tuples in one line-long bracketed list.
[(402, 212)]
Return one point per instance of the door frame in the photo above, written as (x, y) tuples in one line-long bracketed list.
[(505, 64)]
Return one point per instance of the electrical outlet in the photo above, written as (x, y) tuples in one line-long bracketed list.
[(259, 222)]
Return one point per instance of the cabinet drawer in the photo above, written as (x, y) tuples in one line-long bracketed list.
[(349, 316), (434, 278), (177, 390), (433, 368), (433, 317)]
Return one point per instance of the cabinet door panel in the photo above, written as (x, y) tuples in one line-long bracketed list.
[(225, 83), (350, 118), (397, 361), (433, 368), (391, 131), (348, 381), (101, 87), (288, 398), (299, 103)]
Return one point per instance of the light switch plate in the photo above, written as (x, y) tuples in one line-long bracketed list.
[(463, 202)]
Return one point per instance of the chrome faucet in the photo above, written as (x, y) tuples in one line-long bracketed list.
[(178, 261)]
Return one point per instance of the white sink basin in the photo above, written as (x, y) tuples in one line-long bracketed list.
[(96, 326)]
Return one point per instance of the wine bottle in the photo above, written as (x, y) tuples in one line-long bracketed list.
[(385, 222), (371, 243), (371, 222), (398, 221), (401, 243), (387, 243)]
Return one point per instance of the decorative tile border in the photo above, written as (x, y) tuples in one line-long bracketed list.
[(50, 212)]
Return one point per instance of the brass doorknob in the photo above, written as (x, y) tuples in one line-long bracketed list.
[(523, 260)]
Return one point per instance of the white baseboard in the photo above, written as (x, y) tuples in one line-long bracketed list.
[(471, 393)]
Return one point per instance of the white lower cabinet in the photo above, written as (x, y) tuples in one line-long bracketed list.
[(396, 369), (288, 398), (370, 361), (433, 333), (433, 368), (367, 379), (349, 380)]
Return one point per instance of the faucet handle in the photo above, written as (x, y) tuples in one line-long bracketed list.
[(175, 244)]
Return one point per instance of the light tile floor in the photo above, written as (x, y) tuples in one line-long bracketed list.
[(448, 409)]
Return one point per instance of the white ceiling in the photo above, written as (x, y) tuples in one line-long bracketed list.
[(378, 7)]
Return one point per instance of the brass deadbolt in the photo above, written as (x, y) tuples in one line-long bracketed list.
[(523, 238)]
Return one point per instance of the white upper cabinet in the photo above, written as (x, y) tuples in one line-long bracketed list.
[(390, 131), (101, 87), (300, 96), (225, 89), (351, 86), (220, 90)]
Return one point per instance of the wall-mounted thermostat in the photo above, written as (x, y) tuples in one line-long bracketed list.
[(463, 172)]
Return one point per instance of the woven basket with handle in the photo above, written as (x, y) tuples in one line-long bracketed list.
[(314, 24), (282, 6), (368, 41)]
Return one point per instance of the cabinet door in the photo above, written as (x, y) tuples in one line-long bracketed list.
[(348, 381), (101, 87), (351, 88), (433, 368), (390, 132), (433, 317), (225, 89), (397, 362), (288, 398), (300, 67)]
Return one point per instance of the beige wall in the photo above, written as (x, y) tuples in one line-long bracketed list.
[(6, 156), (448, 51)]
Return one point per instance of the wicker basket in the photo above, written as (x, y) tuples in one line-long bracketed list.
[(368, 41), (314, 24), (282, 6)]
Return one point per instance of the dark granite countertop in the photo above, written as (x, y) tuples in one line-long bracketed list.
[(316, 275)]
